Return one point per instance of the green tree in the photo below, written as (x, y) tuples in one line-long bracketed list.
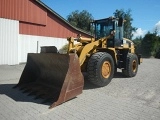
[(137, 43), (150, 44), (128, 28), (80, 19)]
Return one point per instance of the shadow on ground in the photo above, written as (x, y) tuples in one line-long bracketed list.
[(119, 75), (18, 95), (88, 85)]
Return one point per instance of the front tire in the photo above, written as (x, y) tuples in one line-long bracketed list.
[(100, 69)]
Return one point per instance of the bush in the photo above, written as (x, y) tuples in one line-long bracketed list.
[(157, 54), (64, 49)]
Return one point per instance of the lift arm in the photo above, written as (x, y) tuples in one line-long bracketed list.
[(86, 46)]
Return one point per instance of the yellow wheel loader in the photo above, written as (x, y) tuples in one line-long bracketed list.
[(58, 77)]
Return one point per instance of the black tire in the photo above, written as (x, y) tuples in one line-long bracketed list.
[(98, 75), (131, 65)]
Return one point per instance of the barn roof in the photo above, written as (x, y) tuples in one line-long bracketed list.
[(60, 17)]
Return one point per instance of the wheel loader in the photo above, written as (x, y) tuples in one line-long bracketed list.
[(58, 77)]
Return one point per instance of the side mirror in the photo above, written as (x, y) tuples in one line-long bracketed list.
[(120, 22)]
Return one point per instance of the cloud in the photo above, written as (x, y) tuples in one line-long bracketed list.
[(157, 25), (139, 32)]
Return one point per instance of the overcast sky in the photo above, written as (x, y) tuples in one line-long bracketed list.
[(145, 13)]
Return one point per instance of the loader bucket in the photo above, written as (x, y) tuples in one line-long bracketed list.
[(52, 76)]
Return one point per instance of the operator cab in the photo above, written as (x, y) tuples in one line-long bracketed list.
[(108, 26)]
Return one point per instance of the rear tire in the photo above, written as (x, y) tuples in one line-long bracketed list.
[(100, 69), (131, 65)]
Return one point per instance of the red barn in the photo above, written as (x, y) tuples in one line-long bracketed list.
[(26, 25)]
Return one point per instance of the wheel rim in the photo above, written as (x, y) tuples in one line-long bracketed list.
[(134, 65), (106, 69)]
